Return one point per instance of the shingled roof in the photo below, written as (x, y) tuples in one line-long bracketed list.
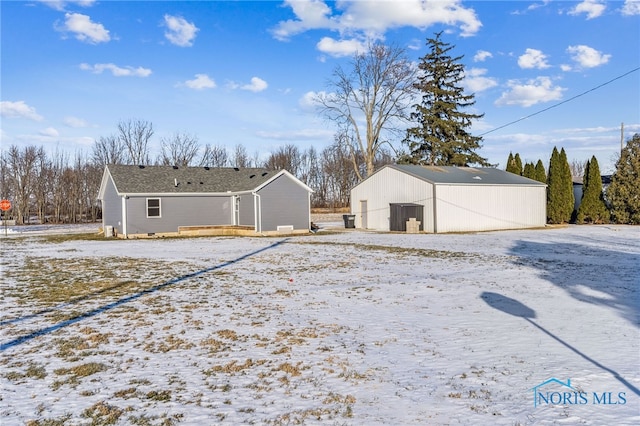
[(130, 179), (464, 175)]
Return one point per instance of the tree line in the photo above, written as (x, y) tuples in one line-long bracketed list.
[(618, 203), (58, 188), (384, 109)]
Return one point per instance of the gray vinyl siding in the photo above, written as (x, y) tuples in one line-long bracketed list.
[(111, 207), (247, 210), (178, 211), (284, 203)]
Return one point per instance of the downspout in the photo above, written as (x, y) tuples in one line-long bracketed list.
[(124, 215), (435, 210), (258, 213)]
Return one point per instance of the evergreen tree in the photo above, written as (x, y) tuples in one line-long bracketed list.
[(440, 137), (510, 164), (541, 174), (518, 167), (560, 198), (592, 207), (624, 191), (529, 171), (514, 164)]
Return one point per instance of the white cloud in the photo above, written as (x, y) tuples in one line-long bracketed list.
[(592, 8), (587, 57), (482, 55), (49, 132), (297, 135), (340, 48), (532, 92), (371, 19), (116, 70), (533, 58), (201, 82), (61, 4), (75, 122), (475, 80), (257, 85), (631, 8), (19, 109), (84, 29), (179, 31), (308, 101)]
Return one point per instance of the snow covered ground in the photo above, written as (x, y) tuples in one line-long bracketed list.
[(340, 327)]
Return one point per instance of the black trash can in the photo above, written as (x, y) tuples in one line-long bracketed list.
[(349, 220)]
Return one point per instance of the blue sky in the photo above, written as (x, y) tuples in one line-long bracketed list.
[(240, 72)]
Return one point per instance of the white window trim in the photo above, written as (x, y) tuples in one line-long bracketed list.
[(159, 207)]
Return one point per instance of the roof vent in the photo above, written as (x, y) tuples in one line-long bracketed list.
[(206, 167), (201, 183), (175, 167), (252, 176), (477, 178), (140, 166), (175, 182), (188, 183), (236, 169), (265, 173)]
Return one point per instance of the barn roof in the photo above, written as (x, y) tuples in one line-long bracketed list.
[(464, 175), (130, 179)]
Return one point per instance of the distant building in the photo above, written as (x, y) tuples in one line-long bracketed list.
[(144, 201), (452, 199)]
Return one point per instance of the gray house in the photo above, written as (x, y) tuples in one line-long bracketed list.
[(448, 199), (144, 201)]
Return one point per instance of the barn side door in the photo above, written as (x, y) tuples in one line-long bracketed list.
[(363, 214)]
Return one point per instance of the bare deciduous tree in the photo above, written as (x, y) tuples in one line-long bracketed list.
[(214, 156), (22, 165), (108, 150), (135, 136), (180, 149), (241, 157), (370, 100), (286, 157)]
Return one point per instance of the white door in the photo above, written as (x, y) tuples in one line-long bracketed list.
[(363, 214)]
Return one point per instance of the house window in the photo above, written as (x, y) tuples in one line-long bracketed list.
[(153, 207)]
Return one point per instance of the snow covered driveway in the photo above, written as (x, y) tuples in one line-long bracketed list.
[(513, 327)]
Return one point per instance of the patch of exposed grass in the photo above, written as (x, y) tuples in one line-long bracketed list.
[(82, 370), (162, 396), (102, 413), (50, 281), (60, 421), (33, 371)]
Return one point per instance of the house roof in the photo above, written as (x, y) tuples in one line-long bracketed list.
[(464, 175), (130, 179)]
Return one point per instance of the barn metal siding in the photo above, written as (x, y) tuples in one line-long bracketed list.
[(283, 202), (463, 208), (178, 211), (390, 186)]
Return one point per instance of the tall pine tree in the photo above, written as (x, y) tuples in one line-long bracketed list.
[(592, 207), (560, 198), (541, 174), (529, 171), (624, 191), (441, 137), (514, 164)]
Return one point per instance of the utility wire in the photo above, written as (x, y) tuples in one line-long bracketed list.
[(560, 103)]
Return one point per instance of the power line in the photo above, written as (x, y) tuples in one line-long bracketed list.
[(560, 103)]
